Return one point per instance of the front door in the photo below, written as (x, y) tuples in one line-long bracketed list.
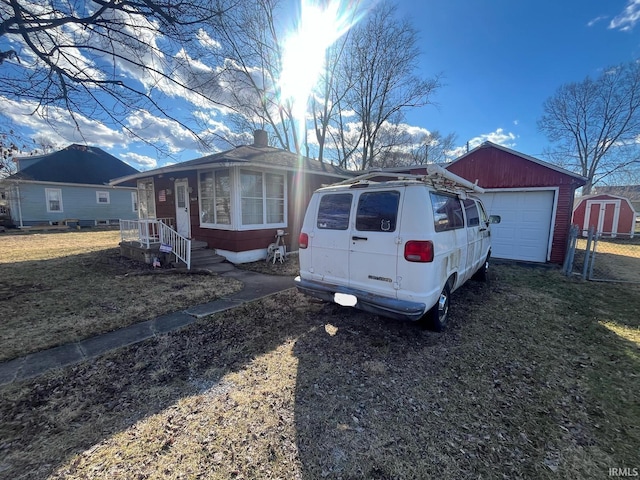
[(183, 217)]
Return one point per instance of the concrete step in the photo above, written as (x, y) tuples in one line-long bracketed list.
[(198, 245), (206, 256)]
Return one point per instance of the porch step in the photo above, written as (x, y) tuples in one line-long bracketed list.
[(198, 245), (205, 256)]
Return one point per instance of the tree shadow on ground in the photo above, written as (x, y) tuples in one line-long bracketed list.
[(507, 391)]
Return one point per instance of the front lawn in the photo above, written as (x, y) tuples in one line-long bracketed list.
[(62, 287), (537, 377)]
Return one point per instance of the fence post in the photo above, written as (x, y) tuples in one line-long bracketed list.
[(587, 253), (593, 256), (567, 268)]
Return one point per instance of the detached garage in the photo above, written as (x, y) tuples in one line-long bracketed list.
[(610, 215), (533, 198)]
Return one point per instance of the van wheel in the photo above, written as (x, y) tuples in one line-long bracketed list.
[(483, 274), (436, 318)]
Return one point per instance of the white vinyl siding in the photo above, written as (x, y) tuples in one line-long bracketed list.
[(54, 200)]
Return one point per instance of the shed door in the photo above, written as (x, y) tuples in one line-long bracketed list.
[(524, 232), (603, 215)]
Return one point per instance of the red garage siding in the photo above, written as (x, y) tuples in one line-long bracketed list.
[(497, 167)]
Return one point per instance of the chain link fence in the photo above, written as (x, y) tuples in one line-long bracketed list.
[(604, 257)]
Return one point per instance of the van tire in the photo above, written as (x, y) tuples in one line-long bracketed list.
[(436, 319), (483, 274)]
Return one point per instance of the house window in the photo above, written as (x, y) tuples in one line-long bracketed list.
[(54, 199), (262, 198), (134, 202), (215, 197), (102, 198), (146, 199)]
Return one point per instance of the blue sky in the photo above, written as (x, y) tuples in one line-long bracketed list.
[(500, 59)]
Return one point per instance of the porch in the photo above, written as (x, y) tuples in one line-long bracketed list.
[(147, 239)]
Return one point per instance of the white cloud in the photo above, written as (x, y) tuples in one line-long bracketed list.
[(627, 20), (56, 124), (596, 20), (206, 41), (142, 161), (499, 137)]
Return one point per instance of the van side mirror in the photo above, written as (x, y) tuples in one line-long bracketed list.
[(494, 218)]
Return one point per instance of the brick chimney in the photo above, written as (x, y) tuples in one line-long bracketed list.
[(260, 138)]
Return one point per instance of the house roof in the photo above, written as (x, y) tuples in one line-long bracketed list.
[(249, 155), (74, 164), (487, 144), (632, 192)]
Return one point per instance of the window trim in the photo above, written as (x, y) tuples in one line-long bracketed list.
[(107, 196), (145, 181), (232, 206), (134, 201), (47, 191), (264, 225)]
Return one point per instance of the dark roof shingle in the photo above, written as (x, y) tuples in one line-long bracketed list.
[(76, 164)]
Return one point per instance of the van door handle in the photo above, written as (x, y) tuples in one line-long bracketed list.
[(358, 238)]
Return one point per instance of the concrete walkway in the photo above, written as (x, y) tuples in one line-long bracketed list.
[(255, 286)]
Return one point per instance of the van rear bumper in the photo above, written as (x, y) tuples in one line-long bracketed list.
[(367, 301)]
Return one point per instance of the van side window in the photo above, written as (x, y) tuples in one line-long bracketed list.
[(377, 211), (471, 210), (483, 214), (334, 210), (447, 212)]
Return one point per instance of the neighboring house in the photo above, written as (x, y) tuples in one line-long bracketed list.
[(236, 200), (69, 186), (608, 214), (533, 198)]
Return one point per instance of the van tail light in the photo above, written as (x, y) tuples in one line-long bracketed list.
[(418, 251), (303, 240)]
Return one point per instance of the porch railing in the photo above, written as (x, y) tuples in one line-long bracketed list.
[(181, 246), (148, 232)]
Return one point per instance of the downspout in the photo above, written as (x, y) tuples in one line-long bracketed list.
[(19, 207)]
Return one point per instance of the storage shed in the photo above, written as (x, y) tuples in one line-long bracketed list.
[(610, 215), (533, 198)]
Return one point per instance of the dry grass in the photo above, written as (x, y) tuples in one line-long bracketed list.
[(536, 378), (58, 288), (617, 259)]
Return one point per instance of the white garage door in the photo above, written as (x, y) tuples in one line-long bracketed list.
[(524, 230)]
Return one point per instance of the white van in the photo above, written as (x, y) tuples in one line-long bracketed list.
[(397, 247)]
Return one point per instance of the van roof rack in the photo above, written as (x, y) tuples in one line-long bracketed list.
[(437, 177)]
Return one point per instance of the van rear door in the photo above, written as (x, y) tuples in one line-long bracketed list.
[(330, 239), (374, 242)]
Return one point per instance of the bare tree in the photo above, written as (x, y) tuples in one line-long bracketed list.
[(253, 51), (105, 58), (434, 148), (378, 67), (13, 145), (596, 124)]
